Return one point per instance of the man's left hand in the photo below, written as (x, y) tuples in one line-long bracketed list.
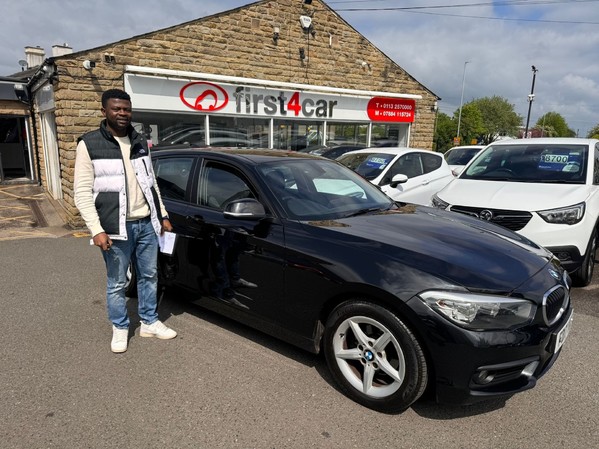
[(166, 226)]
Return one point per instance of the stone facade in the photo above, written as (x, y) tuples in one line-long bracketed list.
[(236, 43)]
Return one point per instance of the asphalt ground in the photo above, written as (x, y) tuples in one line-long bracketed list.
[(223, 385)]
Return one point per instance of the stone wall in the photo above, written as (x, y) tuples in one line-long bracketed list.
[(236, 43)]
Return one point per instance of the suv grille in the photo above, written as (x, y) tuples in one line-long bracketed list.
[(511, 219), (555, 302)]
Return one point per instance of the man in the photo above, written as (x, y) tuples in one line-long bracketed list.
[(117, 196)]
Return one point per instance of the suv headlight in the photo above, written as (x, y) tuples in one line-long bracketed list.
[(564, 215), (438, 202), (480, 312)]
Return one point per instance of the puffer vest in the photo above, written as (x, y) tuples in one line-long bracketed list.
[(110, 183)]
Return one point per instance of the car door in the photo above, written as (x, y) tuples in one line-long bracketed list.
[(427, 173), (237, 262), (174, 180)]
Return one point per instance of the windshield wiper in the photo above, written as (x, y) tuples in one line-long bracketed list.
[(364, 211)]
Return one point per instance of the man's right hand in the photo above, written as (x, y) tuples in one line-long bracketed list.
[(103, 241)]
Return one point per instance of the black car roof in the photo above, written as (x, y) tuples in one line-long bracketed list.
[(253, 154)]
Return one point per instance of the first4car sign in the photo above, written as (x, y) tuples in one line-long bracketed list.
[(262, 101)]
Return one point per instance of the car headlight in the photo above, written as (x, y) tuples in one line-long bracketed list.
[(564, 215), (438, 202), (480, 312)]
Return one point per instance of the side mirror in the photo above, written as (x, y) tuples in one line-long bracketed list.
[(245, 209), (398, 179)]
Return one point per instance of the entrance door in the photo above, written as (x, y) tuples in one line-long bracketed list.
[(51, 159)]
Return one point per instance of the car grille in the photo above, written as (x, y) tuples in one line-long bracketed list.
[(510, 219), (555, 303)]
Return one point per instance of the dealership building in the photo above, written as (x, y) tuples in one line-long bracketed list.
[(282, 74)]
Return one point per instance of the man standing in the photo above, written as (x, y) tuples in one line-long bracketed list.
[(117, 196)]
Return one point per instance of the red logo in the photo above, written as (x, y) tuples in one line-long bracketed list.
[(203, 96), (381, 109)]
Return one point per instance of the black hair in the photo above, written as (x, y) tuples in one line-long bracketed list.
[(114, 93)]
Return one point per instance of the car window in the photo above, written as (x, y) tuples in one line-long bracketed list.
[(221, 184), (550, 162), (409, 164), (320, 189), (369, 165), (172, 176), (431, 161), (460, 156), (596, 171)]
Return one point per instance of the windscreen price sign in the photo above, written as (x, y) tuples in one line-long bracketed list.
[(382, 109)]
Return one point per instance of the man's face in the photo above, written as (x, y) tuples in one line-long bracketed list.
[(118, 116)]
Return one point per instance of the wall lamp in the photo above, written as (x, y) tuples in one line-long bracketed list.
[(88, 65), (21, 93), (435, 107), (276, 34)]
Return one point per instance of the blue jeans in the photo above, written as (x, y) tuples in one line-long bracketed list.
[(141, 248)]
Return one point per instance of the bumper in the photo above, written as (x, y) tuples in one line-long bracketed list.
[(473, 366), (569, 256)]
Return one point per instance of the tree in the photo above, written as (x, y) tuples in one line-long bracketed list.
[(594, 132), (471, 124), (553, 124), (444, 132), (498, 118)]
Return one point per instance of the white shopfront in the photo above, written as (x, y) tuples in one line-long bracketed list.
[(176, 107)]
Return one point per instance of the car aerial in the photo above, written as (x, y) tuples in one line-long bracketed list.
[(458, 157), (405, 174), (399, 298), (544, 189)]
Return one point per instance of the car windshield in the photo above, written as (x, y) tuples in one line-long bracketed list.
[(548, 163), (314, 189), (369, 165), (461, 156)]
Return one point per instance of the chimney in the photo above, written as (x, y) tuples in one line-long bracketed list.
[(34, 56), (60, 50)]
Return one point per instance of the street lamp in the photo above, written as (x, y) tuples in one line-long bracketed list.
[(531, 98), (461, 101)]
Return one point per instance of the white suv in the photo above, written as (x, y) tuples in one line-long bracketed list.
[(544, 189)]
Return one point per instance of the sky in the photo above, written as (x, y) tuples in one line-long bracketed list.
[(459, 49)]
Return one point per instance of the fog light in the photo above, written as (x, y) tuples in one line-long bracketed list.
[(484, 377), (563, 255)]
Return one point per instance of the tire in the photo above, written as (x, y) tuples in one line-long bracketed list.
[(374, 357), (131, 285), (583, 276)]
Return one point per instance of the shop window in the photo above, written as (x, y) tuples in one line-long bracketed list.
[(297, 135), (239, 132), (346, 134), (395, 135), (170, 129)]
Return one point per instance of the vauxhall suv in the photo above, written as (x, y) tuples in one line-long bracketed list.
[(545, 189)]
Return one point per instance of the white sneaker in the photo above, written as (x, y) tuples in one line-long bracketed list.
[(157, 329), (119, 339)]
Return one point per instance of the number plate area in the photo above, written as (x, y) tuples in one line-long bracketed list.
[(559, 338)]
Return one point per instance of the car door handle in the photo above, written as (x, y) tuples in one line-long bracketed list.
[(426, 181), (195, 218)]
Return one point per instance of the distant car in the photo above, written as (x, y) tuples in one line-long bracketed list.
[(544, 189), (458, 157), (409, 175), (399, 298), (340, 150)]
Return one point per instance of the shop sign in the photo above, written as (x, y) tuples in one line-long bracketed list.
[(206, 96), (381, 109)]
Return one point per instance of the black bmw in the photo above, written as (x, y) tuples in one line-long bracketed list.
[(399, 298)]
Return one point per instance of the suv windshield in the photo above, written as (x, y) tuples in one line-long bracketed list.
[(550, 163), (369, 165)]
